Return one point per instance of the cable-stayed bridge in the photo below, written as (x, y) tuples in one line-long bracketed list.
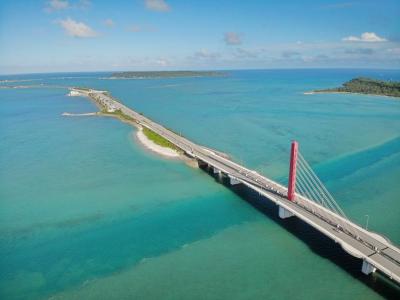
[(305, 198)]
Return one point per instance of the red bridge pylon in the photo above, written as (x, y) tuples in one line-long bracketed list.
[(292, 171)]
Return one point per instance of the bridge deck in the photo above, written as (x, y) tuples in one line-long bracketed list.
[(368, 246)]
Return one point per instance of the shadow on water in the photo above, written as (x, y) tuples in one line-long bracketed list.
[(317, 242)]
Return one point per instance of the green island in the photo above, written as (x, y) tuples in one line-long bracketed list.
[(362, 85), (166, 74), (158, 139)]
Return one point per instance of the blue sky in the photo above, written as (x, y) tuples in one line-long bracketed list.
[(96, 35)]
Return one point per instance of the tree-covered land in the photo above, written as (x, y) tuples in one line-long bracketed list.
[(166, 74), (158, 139), (150, 134), (367, 86), (122, 116)]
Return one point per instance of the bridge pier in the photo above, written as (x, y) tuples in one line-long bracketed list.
[(367, 268), (201, 163), (233, 181), (284, 213), (216, 171)]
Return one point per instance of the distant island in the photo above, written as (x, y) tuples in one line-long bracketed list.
[(165, 74), (367, 86)]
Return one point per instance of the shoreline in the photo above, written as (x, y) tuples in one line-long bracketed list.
[(67, 114), (354, 93), (138, 135), (153, 147)]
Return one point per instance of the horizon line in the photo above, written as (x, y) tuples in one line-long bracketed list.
[(207, 70)]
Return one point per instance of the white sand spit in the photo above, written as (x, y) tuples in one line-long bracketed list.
[(168, 152)]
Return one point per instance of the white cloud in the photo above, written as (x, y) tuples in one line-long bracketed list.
[(109, 22), (359, 51), (205, 54), (162, 62), (84, 4), (54, 5), (365, 37), (135, 28), (395, 51), (157, 5), (57, 5), (246, 53), (232, 38), (290, 54), (140, 28), (141, 63), (339, 5), (77, 29)]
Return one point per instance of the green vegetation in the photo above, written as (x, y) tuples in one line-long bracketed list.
[(118, 113), (158, 139), (150, 134), (367, 86), (167, 74)]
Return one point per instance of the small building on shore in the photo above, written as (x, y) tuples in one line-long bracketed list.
[(74, 93)]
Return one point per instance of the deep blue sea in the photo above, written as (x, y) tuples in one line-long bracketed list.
[(87, 213)]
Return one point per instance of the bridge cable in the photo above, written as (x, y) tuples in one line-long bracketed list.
[(318, 193), (309, 192), (320, 186), (324, 193), (302, 198), (306, 187), (355, 231), (330, 204)]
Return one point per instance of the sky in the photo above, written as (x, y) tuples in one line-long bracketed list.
[(98, 35)]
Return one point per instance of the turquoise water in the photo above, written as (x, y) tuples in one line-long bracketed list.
[(87, 213)]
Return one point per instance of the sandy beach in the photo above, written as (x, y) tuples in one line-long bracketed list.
[(79, 115), (167, 152), (337, 92)]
